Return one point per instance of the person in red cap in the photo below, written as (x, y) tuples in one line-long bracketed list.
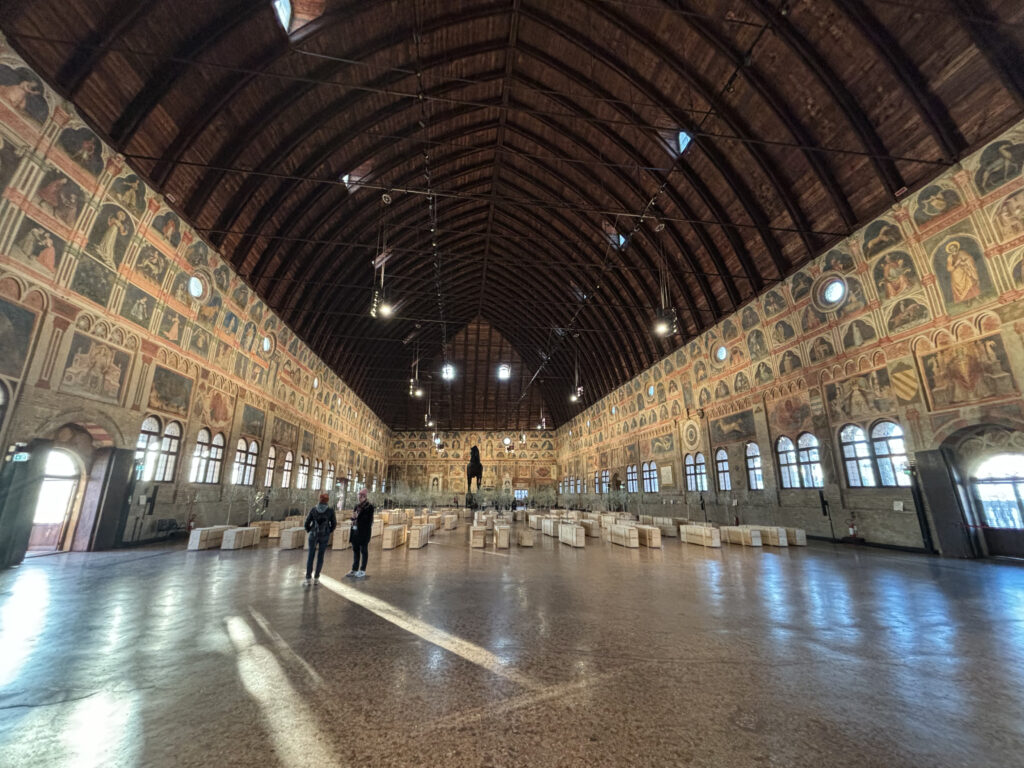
[(320, 523)]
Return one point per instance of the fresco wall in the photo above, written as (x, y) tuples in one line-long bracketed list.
[(929, 336), (98, 328), (414, 460)]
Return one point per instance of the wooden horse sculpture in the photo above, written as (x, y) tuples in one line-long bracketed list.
[(474, 469)]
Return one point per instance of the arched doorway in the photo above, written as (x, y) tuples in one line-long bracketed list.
[(58, 496), (997, 492)]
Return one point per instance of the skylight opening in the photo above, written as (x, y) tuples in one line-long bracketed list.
[(283, 10), (622, 240), (683, 141), (346, 179), (447, 371), (504, 371)]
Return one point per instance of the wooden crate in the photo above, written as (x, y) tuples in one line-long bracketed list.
[(734, 534), (239, 538), (502, 536), (419, 537), (624, 536), (797, 537), (330, 540), (646, 520), (477, 536), (524, 537), (536, 521), (704, 536), (451, 522), (292, 538), (549, 526), (593, 528), (572, 534), (649, 535), (771, 535), (209, 537), (377, 529), (342, 536), (435, 520), (393, 536)]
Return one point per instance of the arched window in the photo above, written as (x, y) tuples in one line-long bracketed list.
[(318, 474), (329, 484), (632, 486), (170, 447), (200, 457), (722, 470), (691, 473), (604, 481), (999, 488), (303, 481), (755, 478), (238, 469), (244, 470), (597, 481), (147, 448), (890, 454), (811, 475), (286, 470), (268, 474), (702, 472), (788, 468), (650, 477), (216, 459), (860, 473)]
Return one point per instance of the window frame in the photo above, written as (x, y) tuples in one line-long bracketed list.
[(649, 473), (287, 469), (722, 470), (755, 467), (632, 482), (147, 447), (702, 472), (789, 468), (605, 479), (812, 473), (690, 470), (268, 471), (857, 456), (302, 479), (888, 457), (318, 474), (200, 456)]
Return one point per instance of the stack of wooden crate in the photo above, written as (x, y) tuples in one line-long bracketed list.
[(702, 535), (292, 538), (624, 536), (394, 536), (419, 536), (342, 536), (477, 536), (738, 534), (502, 536), (239, 538), (593, 528), (648, 535), (797, 537), (549, 526), (209, 537), (572, 534), (377, 529), (771, 535), (451, 522), (525, 537)]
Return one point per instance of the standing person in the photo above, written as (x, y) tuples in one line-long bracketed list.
[(362, 527), (320, 523)]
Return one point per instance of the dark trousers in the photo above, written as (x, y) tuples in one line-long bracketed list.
[(318, 547), (359, 548)]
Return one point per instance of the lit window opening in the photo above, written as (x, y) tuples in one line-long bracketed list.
[(683, 141), (504, 371), (283, 10)]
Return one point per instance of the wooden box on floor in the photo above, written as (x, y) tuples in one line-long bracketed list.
[(330, 540), (209, 537), (549, 526), (771, 535), (748, 537), (451, 522), (524, 537), (240, 538), (593, 528), (704, 536), (502, 536), (625, 536), (292, 538), (394, 536), (572, 534), (797, 537), (648, 535), (435, 520), (342, 536), (477, 536), (419, 536), (378, 529), (536, 521)]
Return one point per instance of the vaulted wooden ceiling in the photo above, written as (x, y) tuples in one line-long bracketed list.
[(528, 134)]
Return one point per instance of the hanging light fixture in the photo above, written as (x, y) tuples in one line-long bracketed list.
[(665, 320), (577, 391), (380, 306), (415, 388)]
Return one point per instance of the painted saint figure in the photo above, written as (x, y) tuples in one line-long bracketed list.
[(963, 273), (106, 249)]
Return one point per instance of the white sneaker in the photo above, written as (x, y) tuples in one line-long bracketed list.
[(305, 582), (316, 579), (352, 574), (360, 574)]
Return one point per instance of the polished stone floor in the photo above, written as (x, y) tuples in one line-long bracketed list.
[(820, 656)]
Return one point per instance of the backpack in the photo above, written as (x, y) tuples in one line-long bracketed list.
[(322, 523)]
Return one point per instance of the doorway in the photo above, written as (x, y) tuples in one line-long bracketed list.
[(997, 491), (56, 504)]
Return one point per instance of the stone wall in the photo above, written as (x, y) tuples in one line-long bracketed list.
[(928, 336), (414, 460), (98, 328)]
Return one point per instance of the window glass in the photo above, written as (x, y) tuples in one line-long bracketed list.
[(788, 470), (147, 448), (722, 470), (268, 476), (691, 473), (632, 485), (702, 472), (891, 454), (857, 457), (286, 470), (755, 477), (200, 457), (811, 475)]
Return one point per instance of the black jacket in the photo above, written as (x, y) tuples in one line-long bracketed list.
[(317, 518), (363, 526)]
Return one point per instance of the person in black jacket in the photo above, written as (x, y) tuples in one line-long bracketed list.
[(320, 523), (362, 527)]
